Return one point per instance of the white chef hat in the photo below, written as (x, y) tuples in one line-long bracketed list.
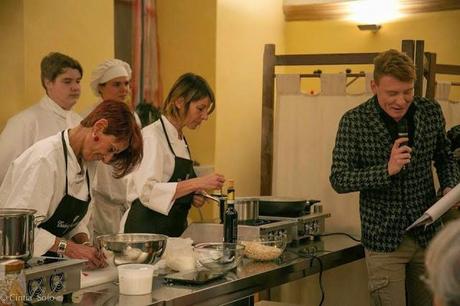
[(108, 70)]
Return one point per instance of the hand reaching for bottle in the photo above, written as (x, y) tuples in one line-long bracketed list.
[(211, 181)]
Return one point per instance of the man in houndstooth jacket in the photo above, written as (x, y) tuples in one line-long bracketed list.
[(394, 177)]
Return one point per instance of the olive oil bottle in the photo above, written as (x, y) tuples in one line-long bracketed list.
[(231, 215)]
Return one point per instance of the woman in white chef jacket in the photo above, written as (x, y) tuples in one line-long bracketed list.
[(165, 186), (60, 77), (109, 81), (54, 177)]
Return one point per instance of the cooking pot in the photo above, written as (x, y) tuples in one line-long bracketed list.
[(17, 233), (284, 206), (247, 208)]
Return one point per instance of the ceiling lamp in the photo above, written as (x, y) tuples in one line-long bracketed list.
[(369, 27)]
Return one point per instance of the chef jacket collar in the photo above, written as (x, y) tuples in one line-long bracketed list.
[(173, 134), (49, 104), (71, 154)]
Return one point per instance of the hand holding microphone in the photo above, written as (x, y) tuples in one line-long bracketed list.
[(403, 131), (400, 152)]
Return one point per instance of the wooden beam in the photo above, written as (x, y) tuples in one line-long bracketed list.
[(325, 59), (268, 98), (419, 58), (408, 47), (448, 69), (431, 75)]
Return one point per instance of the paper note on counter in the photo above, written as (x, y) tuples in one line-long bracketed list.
[(439, 208)]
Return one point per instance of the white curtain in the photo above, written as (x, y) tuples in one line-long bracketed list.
[(450, 109), (304, 137)]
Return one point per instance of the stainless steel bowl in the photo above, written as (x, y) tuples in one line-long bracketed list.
[(132, 248), (219, 256)]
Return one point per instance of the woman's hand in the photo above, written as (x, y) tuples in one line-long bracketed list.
[(211, 181), (198, 200), (96, 258)]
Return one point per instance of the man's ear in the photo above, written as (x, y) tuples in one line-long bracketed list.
[(47, 83), (374, 87)]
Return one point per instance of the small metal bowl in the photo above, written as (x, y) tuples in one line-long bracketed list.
[(219, 256), (121, 249)]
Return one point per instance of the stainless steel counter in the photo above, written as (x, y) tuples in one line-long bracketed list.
[(238, 286)]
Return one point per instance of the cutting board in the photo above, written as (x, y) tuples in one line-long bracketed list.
[(97, 277)]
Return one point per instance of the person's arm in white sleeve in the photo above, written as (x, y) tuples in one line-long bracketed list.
[(150, 179), (156, 167), (31, 186), (13, 141)]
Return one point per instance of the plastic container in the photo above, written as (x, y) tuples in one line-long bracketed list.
[(135, 279)]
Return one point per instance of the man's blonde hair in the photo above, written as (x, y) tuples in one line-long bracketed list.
[(396, 64)]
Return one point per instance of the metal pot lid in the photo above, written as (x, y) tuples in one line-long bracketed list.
[(281, 199)]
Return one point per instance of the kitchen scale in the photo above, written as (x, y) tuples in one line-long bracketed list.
[(49, 277)]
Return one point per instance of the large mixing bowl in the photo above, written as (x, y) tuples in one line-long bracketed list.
[(219, 256), (122, 249)]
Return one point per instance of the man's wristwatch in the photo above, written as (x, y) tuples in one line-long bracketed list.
[(62, 246)]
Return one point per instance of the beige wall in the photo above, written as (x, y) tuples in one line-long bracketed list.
[(11, 58), (438, 30), (187, 40), (243, 27), (82, 29), (187, 36)]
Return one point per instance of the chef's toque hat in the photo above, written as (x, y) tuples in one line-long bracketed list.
[(108, 70)]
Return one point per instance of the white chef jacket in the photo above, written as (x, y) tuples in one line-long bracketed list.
[(36, 180), (149, 182), (109, 200), (39, 121)]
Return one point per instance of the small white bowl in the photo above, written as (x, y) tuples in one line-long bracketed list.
[(135, 279)]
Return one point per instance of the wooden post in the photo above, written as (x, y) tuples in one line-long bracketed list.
[(408, 47), (419, 57), (431, 75), (268, 88)]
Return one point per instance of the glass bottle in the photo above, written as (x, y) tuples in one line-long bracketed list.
[(231, 215), (12, 283)]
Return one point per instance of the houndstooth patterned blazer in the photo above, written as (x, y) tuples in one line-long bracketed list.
[(389, 204)]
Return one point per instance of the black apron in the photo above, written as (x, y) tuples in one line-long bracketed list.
[(142, 219), (70, 210)]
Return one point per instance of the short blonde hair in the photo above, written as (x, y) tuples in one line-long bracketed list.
[(191, 87), (396, 64)]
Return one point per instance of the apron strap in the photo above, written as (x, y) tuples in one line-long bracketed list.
[(65, 158), (169, 143)]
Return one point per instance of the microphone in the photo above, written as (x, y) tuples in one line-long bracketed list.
[(403, 131)]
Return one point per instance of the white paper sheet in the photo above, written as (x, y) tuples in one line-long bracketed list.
[(439, 208)]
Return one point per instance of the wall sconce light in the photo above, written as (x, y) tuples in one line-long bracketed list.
[(369, 27)]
